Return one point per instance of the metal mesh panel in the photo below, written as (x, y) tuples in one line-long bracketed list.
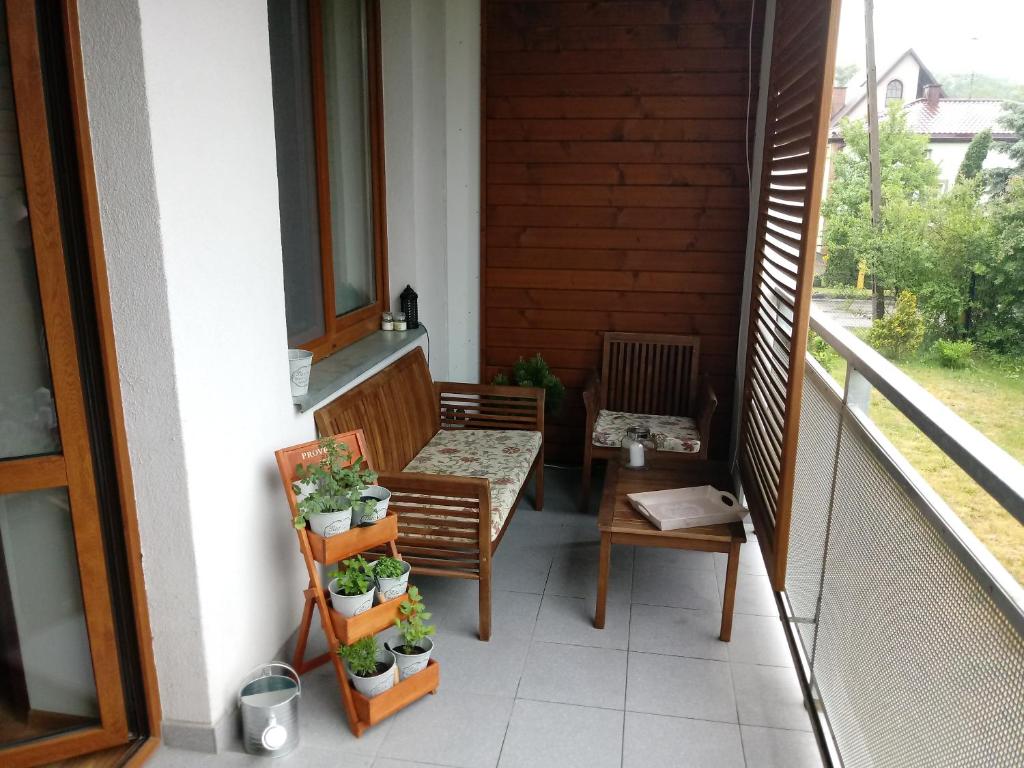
[(820, 409), (915, 663)]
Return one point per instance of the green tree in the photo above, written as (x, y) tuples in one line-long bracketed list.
[(959, 247), (845, 73), (1013, 121), (975, 156), (894, 252), (1000, 310)]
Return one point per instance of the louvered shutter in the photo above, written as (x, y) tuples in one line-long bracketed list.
[(799, 99)]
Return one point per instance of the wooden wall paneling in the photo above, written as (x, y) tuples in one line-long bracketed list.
[(614, 185)]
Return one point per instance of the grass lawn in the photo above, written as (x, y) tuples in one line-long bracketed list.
[(990, 398)]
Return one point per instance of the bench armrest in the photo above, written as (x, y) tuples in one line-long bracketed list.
[(707, 403), (489, 406), (450, 510)]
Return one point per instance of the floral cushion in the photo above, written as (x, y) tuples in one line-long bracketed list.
[(671, 433), (503, 456)]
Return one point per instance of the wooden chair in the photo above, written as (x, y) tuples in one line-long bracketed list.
[(647, 374), (448, 523)]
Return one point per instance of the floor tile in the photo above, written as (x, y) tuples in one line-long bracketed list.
[(322, 720), (679, 558), (753, 594), (387, 762), (751, 560), (451, 728), (457, 611), (769, 696), (573, 674), (491, 668), (521, 569), (653, 740), (674, 587), (677, 632), (759, 640), (681, 687), (574, 571), (775, 748), (542, 734), (571, 620)]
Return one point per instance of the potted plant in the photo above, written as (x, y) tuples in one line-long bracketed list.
[(374, 502), (332, 491), (371, 668), (351, 588), (392, 577), (535, 372), (414, 646)]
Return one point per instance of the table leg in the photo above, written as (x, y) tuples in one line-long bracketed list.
[(729, 600), (602, 579)]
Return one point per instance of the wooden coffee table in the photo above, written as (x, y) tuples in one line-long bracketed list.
[(619, 523)]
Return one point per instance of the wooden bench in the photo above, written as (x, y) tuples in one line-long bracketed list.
[(454, 489)]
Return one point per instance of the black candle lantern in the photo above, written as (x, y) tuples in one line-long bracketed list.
[(410, 306)]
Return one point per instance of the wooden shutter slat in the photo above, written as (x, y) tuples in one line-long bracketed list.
[(796, 121)]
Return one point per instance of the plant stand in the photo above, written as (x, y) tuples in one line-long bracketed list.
[(360, 711)]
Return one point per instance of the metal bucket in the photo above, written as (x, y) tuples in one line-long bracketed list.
[(269, 703)]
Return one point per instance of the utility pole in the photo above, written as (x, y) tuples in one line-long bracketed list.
[(874, 165)]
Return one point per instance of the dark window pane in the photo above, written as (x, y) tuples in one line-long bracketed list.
[(296, 168)]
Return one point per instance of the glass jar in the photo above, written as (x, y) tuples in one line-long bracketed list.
[(400, 324), (387, 322), (634, 447)]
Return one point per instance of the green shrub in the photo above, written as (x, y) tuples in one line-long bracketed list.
[(822, 351), (953, 354), (535, 373), (899, 334)]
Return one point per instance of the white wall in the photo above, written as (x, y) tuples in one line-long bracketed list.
[(181, 116), (431, 58), (906, 70)]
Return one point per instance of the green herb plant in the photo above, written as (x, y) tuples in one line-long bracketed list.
[(535, 372), (388, 568), (361, 656), (412, 627), (355, 577), (335, 482)]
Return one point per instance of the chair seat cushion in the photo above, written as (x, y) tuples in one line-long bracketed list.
[(678, 434), (503, 456)]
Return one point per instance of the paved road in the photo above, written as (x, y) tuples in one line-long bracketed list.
[(850, 313)]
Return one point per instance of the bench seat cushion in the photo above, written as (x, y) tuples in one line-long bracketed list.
[(502, 456), (678, 434)]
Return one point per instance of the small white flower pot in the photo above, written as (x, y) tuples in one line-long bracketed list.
[(329, 524), (349, 605), (381, 496), (389, 589), (373, 686), (410, 664)]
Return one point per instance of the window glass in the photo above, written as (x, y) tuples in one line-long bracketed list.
[(296, 169), (895, 90), (348, 142)]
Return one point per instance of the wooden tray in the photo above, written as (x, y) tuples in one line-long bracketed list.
[(368, 622), (372, 711), (360, 539)]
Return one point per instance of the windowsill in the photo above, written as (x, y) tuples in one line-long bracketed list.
[(341, 369)]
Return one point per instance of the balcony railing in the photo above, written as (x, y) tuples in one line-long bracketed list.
[(910, 631)]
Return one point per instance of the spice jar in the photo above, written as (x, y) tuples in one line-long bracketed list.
[(400, 324), (634, 448), (387, 322)]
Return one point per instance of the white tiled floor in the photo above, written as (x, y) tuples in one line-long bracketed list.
[(655, 687)]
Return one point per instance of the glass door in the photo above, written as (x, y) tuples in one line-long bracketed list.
[(60, 675)]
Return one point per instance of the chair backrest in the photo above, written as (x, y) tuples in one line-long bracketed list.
[(650, 373), (396, 409)]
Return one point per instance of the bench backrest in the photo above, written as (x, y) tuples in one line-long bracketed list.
[(650, 373), (396, 409)]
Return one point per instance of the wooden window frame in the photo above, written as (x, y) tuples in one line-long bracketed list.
[(342, 330)]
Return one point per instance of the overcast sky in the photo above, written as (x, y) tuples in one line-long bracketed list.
[(941, 32)]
